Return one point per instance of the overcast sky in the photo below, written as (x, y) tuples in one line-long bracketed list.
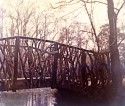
[(74, 12)]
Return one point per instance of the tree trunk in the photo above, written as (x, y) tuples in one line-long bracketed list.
[(115, 61)]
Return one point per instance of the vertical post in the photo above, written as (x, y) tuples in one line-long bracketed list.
[(14, 80), (54, 66), (83, 69)]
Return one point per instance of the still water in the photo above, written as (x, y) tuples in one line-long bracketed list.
[(51, 97), (31, 97)]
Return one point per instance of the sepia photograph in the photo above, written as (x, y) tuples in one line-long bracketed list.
[(62, 52)]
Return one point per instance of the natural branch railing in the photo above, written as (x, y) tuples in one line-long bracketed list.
[(66, 66)]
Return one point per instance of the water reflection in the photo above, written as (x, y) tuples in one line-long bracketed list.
[(49, 97), (37, 97)]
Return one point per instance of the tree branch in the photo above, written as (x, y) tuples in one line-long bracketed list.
[(120, 8), (92, 25), (121, 42), (63, 3), (97, 2)]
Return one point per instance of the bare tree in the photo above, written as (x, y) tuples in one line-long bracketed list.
[(26, 20), (74, 34), (115, 61), (113, 13)]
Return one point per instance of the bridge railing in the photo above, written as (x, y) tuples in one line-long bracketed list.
[(38, 60), (82, 69)]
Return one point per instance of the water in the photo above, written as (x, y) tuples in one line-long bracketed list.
[(52, 97), (31, 97)]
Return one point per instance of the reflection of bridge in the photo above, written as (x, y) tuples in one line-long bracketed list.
[(31, 63)]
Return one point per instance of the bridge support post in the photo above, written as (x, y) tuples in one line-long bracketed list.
[(83, 69), (54, 67), (14, 79)]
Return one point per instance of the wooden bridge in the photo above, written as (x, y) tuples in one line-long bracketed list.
[(31, 63)]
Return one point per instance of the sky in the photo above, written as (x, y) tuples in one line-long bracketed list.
[(65, 15), (75, 12)]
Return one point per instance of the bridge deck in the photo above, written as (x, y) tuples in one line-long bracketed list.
[(21, 83)]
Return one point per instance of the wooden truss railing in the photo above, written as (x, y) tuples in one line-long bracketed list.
[(37, 60)]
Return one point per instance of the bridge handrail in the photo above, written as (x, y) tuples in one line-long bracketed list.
[(31, 38)]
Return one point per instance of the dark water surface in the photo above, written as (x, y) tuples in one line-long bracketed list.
[(52, 97)]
